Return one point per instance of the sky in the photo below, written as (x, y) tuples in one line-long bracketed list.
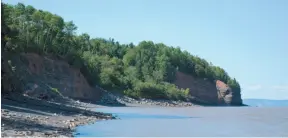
[(247, 38)]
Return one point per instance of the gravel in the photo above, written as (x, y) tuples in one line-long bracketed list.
[(119, 100), (19, 120)]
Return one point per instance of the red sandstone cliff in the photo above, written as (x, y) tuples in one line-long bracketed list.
[(45, 75), (217, 93)]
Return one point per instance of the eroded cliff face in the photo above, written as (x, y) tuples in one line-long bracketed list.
[(226, 95), (38, 75), (46, 76), (217, 93), (9, 81)]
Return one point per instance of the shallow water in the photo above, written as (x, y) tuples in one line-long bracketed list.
[(190, 121)]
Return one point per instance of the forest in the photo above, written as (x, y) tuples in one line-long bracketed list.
[(145, 70)]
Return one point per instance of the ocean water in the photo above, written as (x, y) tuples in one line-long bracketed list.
[(266, 103), (190, 122)]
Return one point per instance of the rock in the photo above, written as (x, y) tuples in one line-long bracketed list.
[(47, 133), (29, 133), (72, 125)]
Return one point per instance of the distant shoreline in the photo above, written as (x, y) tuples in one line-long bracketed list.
[(266, 102), (116, 100)]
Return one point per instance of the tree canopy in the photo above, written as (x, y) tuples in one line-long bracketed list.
[(144, 70)]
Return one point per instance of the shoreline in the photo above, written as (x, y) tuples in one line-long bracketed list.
[(112, 99), (31, 117), (36, 117), (119, 100)]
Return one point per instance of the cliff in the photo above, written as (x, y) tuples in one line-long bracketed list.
[(204, 91), (47, 76)]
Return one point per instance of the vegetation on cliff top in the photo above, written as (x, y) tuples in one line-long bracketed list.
[(145, 70)]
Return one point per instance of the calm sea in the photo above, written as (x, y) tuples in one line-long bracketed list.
[(190, 122)]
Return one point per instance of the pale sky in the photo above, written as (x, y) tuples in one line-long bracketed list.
[(248, 38)]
